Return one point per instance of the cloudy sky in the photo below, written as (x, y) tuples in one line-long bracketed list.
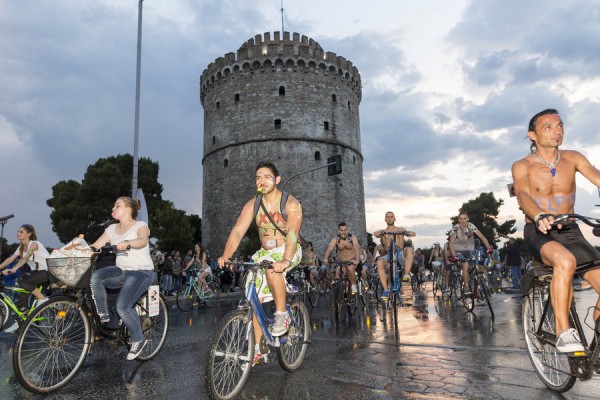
[(448, 90)]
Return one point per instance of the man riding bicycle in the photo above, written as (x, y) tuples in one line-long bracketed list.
[(544, 183), (462, 244), (347, 249), (405, 255), (279, 229)]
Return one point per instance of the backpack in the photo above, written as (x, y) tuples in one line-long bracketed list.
[(284, 196)]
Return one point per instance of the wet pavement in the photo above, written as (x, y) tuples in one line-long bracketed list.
[(437, 351)]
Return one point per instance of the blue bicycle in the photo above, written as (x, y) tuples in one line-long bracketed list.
[(231, 351)]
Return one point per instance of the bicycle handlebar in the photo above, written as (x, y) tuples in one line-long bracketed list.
[(110, 249), (340, 263), (265, 264), (395, 233), (561, 218)]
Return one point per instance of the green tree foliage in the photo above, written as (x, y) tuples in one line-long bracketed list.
[(86, 207), (196, 223), (174, 231), (483, 213)]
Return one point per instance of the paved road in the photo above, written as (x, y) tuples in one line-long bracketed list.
[(439, 351)]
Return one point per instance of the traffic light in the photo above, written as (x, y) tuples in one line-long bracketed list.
[(334, 165)]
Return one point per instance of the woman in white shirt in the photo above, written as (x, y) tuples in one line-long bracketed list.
[(134, 271)]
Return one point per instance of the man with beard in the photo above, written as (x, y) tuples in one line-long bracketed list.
[(347, 248)]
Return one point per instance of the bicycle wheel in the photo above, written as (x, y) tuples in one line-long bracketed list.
[(4, 314), (209, 299), (52, 345), (230, 356), (313, 296), (436, 285), (485, 292), (378, 287), (186, 295), (457, 286), (363, 293), (468, 300), (154, 328), (551, 367), (294, 343), (338, 299)]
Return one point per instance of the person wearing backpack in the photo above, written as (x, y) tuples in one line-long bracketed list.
[(278, 219)]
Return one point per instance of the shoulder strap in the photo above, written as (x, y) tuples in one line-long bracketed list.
[(282, 203)]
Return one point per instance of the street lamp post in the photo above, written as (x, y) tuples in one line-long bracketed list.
[(136, 135), (3, 221)]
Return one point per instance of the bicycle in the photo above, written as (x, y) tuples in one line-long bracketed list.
[(558, 371), (8, 306), (309, 291), (394, 276), (342, 289), (231, 350), (57, 336), (478, 288), (438, 281), (416, 281), (190, 294)]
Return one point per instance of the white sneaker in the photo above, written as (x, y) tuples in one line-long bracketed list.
[(354, 289), (12, 328), (569, 342), (40, 302), (136, 349), (406, 279)]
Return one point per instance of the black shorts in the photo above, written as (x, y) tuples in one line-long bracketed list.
[(569, 236)]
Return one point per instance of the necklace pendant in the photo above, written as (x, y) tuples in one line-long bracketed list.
[(553, 171)]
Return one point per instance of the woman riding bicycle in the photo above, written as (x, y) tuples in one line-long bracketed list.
[(198, 263), (34, 254), (134, 271)]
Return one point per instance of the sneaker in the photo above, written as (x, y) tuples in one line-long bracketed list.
[(136, 349), (569, 342), (406, 280), (354, 289), (12, 328), (385, 295), (259, 358), (281, 324), (467, 292)]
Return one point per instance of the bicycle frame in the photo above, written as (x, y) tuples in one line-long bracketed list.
[(9, 302)]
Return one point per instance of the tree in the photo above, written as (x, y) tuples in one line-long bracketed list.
[(483, 213), (174, 231), (86, 207), (196, 223)]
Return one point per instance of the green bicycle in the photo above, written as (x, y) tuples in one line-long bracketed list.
[(8, 306), (190, 294)]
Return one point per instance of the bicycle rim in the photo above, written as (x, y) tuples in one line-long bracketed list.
[(185, 297), (313, 297), (468, 301), (294, 343), (51, 345), (551, 367), (4, 314), (230, 356), (486, 294), (154, 328)]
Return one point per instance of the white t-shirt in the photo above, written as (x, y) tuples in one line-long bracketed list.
[(464, 238), (134, 259), (39, 256)]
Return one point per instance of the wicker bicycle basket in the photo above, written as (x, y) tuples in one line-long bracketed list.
[(70, 272)]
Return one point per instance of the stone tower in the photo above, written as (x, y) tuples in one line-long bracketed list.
[(287, 101)]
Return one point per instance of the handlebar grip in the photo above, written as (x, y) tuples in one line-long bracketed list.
[(596, 231)]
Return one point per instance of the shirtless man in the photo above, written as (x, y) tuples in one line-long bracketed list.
[(544, 183), (279, 244), (347, 249), (403, 254)]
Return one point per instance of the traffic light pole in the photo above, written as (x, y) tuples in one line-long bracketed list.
[(306, 172)]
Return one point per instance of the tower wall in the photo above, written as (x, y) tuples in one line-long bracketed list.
[(314, 96)]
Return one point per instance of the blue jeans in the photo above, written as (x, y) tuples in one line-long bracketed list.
[(515, 272), (167, 284), (133, 284)]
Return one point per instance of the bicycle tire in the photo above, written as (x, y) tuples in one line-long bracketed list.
[(364, 294), (209, 299), (435, 284), (154, 328), (52, 345), (350, 298), (338, 300), (230, 356), (313, 297), (486, 295), (457, 286), (378, 287), (186, 295), (294, 343), (468, 301), (551, 367), (4, 314)]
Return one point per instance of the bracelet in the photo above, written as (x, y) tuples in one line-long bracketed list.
[(285, 259), (536, 219)]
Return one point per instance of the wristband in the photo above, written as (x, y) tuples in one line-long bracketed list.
[(285, 259)]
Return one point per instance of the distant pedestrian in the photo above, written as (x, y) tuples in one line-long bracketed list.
[(513, 260)]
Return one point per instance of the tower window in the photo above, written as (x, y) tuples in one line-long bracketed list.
[(218, 105), (214, 139), (282, 91), (349, 109), (225, 163), (326, 125), (353, 159), (334, 98), (317, 155), (277, 124), (237, 97)]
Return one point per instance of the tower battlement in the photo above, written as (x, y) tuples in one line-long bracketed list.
[(297, 53)]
